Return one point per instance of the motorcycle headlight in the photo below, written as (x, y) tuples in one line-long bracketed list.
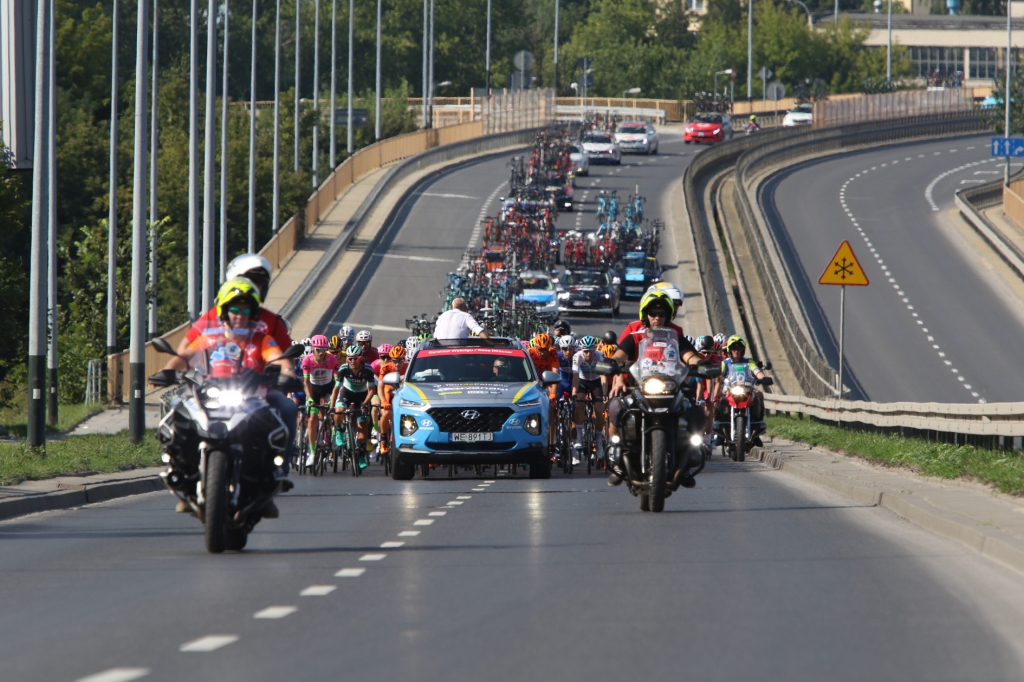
[(656, 386), (408, 425), (739, 391), (533, 425), (230, 398), (696, 440), (216, 398)]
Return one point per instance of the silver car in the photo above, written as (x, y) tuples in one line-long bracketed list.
[(602, 147), (637, 136), (580, 160)]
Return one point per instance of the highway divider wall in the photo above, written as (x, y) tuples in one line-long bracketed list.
[(971, 203)]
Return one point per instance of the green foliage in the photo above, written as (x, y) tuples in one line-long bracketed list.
[(1004, 470), (996, 116), (98, 454)]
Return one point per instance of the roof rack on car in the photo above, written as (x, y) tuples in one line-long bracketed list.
[(471, 342)]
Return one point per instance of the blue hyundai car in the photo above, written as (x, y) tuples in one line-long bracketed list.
[(467, 402)]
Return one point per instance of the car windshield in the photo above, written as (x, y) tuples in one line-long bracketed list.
[(495, 256), (556, 178), (588, 277), (632, 129), (804, 109), (537, 282), (633, 261), (577, 149), (448, 365), (598, 139), (707, 118)]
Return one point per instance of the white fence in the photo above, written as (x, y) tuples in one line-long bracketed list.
[(890, 106), (518, 110)]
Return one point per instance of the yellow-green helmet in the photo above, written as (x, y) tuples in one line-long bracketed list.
[(733, 340), (653, 297), (239, 287)]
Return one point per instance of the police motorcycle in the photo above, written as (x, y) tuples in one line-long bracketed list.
[(223, 445), (661, 446), (738, 435)]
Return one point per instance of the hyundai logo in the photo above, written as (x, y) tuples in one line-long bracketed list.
[(470, 414)]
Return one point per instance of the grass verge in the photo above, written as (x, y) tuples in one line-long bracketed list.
[(15, 418), (95, 454), (1004, 470)]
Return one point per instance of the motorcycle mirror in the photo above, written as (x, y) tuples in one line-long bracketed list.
[(712, 372), (165, 377), (607, 367), (295, 351), (163, 346), (767, 365)]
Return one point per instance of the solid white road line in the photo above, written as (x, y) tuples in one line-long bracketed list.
[(275, 612), (417, 258), (391, 544), (422, 522), (350, 573), (372, 557), (318, 590), (208, 643), (116, 675), (408, 533)]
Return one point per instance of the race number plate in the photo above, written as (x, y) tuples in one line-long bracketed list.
[(469, 437)]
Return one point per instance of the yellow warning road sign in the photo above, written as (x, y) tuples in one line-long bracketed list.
[(844, 269)]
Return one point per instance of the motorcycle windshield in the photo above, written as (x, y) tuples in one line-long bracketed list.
[(221, 356), (658, 356), (741, 374)]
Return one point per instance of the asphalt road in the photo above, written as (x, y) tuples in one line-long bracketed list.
[(751, 575), (934, 323), (436, 226)]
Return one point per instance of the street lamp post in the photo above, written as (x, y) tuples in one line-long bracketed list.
[(631, 91), (298, 52), (275, 218), (224, 155), (888, 48), (750, 49), (51, 206), (112, 205), (208, 173), (252, 138), (334, 79), (351, 33), (38, 253), (1006, 93), (193, 166), (316, 96), (810, 20), (487, 57), (556, 48), (152, 178), (376, 120), (137, 351)]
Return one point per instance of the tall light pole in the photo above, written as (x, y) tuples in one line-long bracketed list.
[(209, 236), (51, 175), (750, 48), (426, 62), (316, 96), (487, 57), (38, 255), (194, 309), (351, 33), (888, 48), (376, 126), (556, 48), (112, 203), (275, 219), (430, 70), (334, 81), (224, 152), (154, 138), (137, 354), (252, 139), (298, 52), (1006, 93)]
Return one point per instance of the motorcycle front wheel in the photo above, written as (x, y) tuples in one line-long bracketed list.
[(216, 493), (659, 456), (741, 438)]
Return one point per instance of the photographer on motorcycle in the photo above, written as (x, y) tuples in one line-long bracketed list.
[(656, 310), (735, 349), (753, 127)]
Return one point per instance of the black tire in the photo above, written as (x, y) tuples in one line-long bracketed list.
[(741, 438), (541, 469), (354, 448), (236, 539), (215, 489), (659, 459), (588, 441), (425, 470), (400, 469), (645, 502)]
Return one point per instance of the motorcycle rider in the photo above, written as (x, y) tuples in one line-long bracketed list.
[(735, 347), (656, 310), (753, 127)]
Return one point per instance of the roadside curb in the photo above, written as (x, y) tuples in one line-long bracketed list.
[(979, 536), (77, 496)]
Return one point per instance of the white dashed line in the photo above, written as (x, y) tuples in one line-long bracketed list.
[(372, 557), (422, 522), (453, 502), (479, 490), (437, 513), (391, 544), (116, 675), (463, 497), (275, 612), (350, 573), (208, 643), (318, 590), (410, 533)]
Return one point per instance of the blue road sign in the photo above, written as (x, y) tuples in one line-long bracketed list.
[(1007, 146)]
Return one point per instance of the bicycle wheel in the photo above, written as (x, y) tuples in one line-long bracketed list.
[(354, 448), (588, 437)]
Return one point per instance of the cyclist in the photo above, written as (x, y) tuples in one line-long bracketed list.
[(734, 362), (545, 358), (382, 351), (708, 389), (319, 371), (566, 349), (355, 380), (560, 328), (395, 363), (587, 382), (364, 340)]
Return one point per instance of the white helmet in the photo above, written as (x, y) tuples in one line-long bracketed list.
[(719, 340), (411, 343), (671, 289), (252, 266), (364, 335), (565, 342), (347, 331)]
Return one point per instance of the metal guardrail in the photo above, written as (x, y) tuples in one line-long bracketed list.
[(658, 115), (816, 377), (971, 201), (921, 419)]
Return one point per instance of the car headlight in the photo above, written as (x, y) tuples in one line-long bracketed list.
[(408, 425), (616, 280), (644, 140), (529, 403), (606, 296), (402, 402), (689, 130), (716, 131), (563, 297), (533, 425), (656, 386)]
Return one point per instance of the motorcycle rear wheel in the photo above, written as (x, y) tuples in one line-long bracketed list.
[(216, 493), (741, 438), (659, 458)]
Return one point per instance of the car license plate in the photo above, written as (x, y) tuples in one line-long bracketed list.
[(469, 437), (632, 289), (700, 134), (581, 304)]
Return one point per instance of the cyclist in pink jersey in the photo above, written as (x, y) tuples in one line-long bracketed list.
[(319, 372)]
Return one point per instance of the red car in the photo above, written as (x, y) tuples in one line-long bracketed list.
[(708, 128)]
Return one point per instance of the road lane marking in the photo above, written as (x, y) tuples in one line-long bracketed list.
[(208, 643), (391, 544), (408, 533), (463, 497), (370, 326), (416, 258), (456, 502), (275, 612), (479, 490), (445, 196), (350, 573), (437, 513), (318, 590), (372, 557), (422, 522), (490, 481), (116, 675)]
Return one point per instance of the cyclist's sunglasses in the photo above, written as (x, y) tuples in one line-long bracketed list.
[(237, 310)]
